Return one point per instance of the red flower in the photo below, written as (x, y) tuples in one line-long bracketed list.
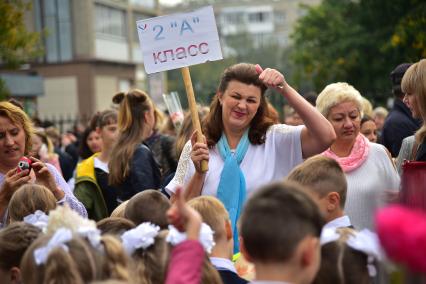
[(402, 233)]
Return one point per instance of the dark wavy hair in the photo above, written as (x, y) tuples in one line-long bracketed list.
[(213, 124), (84, 150)]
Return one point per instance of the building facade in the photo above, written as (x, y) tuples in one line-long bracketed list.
[(266, 22), (91, 52)]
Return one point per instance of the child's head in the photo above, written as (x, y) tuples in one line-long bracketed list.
[(107, 251), (325, 179), (150, 264), (76, 264), (216, 216), (115, 225), (105, 124), (73, 260), (281, 225), (148, 206), (28, 199), (342, 264), (113, 259), (119, 210), (14, 241)]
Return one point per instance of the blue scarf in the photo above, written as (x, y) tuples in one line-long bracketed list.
[(232, 185)]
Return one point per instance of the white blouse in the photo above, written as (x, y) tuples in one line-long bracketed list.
[(367, 186), (262, 164)]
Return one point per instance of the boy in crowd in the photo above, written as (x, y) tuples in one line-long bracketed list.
[(215, 215), (325, 180), (148, 206), (280, 230)]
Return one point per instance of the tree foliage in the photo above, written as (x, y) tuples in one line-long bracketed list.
[(359, 42), (4, 91), (17, 45)]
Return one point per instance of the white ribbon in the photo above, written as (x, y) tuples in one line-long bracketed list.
[(175, 237), (93, 235), (364, 241), (58, 240), (38, 219), (140, 237)]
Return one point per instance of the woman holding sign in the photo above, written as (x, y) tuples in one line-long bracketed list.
[(244, 148)]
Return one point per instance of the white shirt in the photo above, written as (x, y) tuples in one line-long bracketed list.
[(223, 264), (262, 164), (340, 222), (98, 164), (367, 186)]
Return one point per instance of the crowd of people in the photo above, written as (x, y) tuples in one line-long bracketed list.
[(126, 200)]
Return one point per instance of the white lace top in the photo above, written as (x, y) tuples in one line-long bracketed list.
[(262, 164)]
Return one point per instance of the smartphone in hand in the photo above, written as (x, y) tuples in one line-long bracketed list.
[(24, 164)]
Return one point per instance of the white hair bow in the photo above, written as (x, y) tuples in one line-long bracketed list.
[(364, 241), (206, 237), (58, 240), (140, 237), (38, 219), (93, 235)]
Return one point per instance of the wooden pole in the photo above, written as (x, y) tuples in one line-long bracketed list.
[(194, 111)]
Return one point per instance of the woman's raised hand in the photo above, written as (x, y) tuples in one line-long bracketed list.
[(271, 78), (44, 177), (199, 151), (183, 217)]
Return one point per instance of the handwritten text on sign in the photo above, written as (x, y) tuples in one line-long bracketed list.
[(178, 40)]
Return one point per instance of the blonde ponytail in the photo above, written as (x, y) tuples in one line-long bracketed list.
[(61, 268), (116, 260)]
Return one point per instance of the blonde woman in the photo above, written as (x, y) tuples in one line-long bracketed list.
[(369, 170), (16, 134), (414, 86)]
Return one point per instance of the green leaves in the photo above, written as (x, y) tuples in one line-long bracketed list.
[(17, 45), (358, 42)]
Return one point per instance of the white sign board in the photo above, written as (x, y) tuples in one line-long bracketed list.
[(179, 40)]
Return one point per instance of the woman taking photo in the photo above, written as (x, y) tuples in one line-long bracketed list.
[(244, 148), (132, 167), (15, 142), (368, 168)]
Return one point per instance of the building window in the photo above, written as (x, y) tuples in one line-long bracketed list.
[(233, 18), (110, 21), (258, 17), (149, 4), (54, 16), (279, 17)]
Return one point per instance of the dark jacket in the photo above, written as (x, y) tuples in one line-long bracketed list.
[(144, 174), (66, 162), (162, 147), (229, 277), (398, 125)]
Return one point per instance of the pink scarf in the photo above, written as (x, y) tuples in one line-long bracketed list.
[(356, 158)]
